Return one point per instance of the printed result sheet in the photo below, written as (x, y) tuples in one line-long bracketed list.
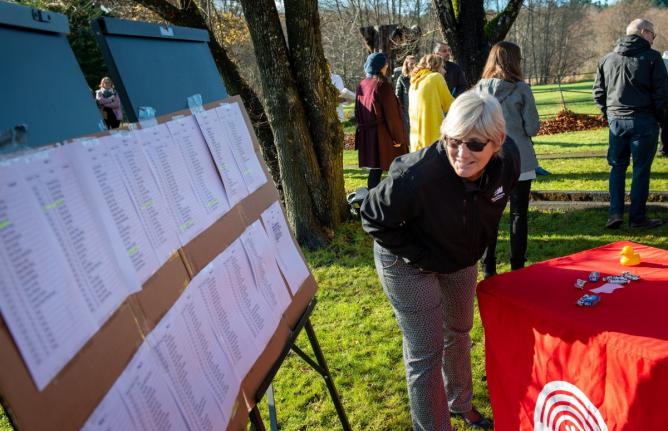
[(289, 260), (41, 303), (241, 144), (206, 183), (147, 199), (238, 286), (198, 371), (262, 256), (168, 166), (103, 186), (216, 139), (233, 333), (147, 395), (103, 281)]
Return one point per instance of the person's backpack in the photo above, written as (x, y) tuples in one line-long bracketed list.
[(355, 200)]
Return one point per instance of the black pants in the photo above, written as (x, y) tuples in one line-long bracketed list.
[(663, 143), (110, 119), (374, 177), (519, 210)]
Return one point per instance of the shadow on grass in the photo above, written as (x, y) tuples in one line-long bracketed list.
[(555, 176), (588, 146)]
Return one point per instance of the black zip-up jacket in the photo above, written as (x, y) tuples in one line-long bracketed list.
[(432, 218), (631, 80)]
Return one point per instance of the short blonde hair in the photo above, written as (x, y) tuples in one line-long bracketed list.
[(637, 25), (477, 113)]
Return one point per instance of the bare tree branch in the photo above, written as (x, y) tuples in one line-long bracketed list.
[(498, 28)]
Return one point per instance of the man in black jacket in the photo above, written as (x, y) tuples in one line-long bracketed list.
[(454, 76), (631, 89)]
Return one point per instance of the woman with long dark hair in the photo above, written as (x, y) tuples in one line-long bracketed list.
[(502, 78)]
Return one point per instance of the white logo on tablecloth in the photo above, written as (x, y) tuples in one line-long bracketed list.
[(562, 406)]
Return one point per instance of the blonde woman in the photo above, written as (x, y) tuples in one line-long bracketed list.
[(428, 101), (431, 219), (109, 103)]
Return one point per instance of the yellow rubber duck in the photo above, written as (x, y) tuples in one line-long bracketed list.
[(629, 256)]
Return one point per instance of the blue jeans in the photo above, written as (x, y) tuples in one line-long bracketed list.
[(636, 137), (435, 314)]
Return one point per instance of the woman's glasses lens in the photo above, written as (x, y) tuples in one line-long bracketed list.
[(473, 145)]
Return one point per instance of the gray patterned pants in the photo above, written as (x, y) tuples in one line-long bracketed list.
[(435, 314)]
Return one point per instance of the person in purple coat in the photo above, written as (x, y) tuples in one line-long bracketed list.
[(380, 134)]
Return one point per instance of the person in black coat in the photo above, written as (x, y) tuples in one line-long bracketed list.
[(431, 219), (402, 87)]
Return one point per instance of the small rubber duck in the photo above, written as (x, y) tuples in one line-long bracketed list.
[(629, 256)]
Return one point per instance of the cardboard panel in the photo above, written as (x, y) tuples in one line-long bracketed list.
[(207, 245), (159, 293), (300, 301), (74, 393), (239, 415), (253, 205), (70, 398)]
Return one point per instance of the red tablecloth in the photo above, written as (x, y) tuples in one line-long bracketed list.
[(552, 365)]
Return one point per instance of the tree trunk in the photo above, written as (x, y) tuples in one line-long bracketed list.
[(300, 171), (319, 96), (191, 16), (465, 28)]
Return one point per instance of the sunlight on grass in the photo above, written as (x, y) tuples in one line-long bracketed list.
[(578, 98), (587, 141), (592, 174)]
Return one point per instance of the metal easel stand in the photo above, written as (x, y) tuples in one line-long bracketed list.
[(319, 365)]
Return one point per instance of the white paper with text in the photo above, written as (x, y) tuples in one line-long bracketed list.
[(289, 259)]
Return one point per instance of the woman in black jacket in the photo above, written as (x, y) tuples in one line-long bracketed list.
[(402, 87), (431, 220)]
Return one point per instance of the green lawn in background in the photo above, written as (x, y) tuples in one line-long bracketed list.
[(583, 142), (577, 96), (592, 174)]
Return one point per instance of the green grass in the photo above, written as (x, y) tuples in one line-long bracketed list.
[(587, 141), (577, 96), (592, 174)]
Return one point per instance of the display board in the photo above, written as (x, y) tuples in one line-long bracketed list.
[(41, 84), (158, 66), (149, 278)]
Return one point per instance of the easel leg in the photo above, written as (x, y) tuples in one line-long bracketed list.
[(271, 402), (327, 375), (256, 420)]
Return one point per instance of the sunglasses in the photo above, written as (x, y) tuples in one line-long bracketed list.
[(473, 145)]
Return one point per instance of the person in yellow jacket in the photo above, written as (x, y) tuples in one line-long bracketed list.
[(428, 101)]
